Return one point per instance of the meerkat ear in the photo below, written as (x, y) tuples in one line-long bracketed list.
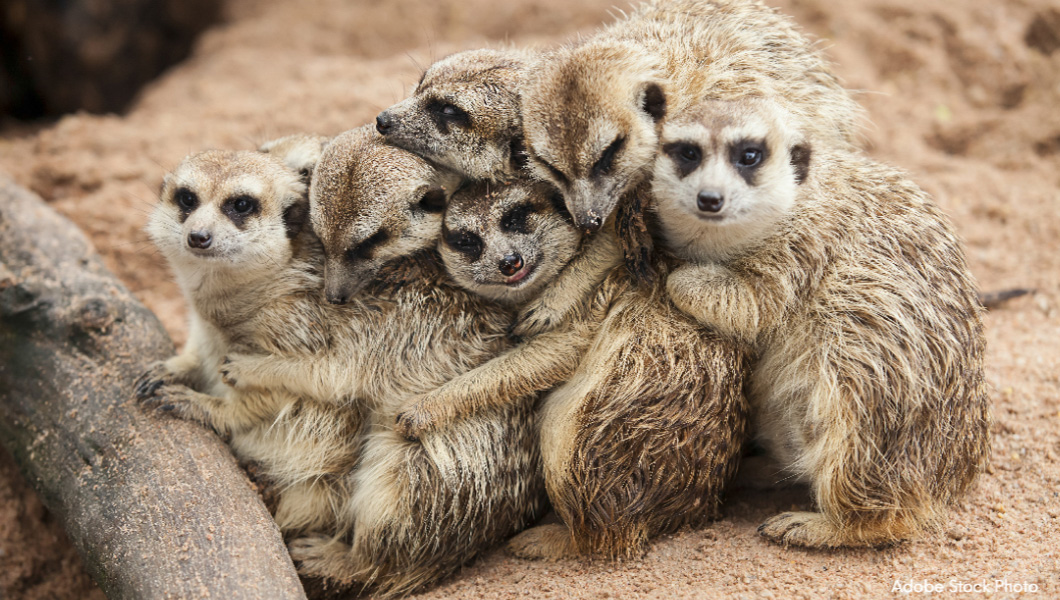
[(800, 160), (295, 217), (653, 101)]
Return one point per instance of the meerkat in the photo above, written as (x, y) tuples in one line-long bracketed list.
[(852, 288), (593, 110), (417, 510), (231, 225), (464, 114), (647, 417)]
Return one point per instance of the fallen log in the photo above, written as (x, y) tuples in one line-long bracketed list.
[(157, 507)]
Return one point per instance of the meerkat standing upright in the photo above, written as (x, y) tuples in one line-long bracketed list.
[(852, 288), (647, 419), (464, 114), (592, 111)]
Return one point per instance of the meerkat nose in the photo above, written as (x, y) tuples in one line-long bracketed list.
[(199, 239), (592, 222), (511, 264), (710, 201), (383, 122)]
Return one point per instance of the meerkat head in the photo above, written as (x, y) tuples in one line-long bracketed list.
[(464, 114), (726, 175), (506, 241), (591, 116), (371, 203), (228, 212), (300, 152)]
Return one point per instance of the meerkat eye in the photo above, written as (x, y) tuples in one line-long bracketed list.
[(560, 206), (515, 220), (747, 155), (464, 242), (186, 199), (685, 156), (449, 114), (433, 201), (243, 204), (364, 249), (603, 165)]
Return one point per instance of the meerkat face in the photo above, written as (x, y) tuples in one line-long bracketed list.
[(300, 152), (228, 211), (726, 176), (371, 203), (506, 241), (464, 114), (591, 119)]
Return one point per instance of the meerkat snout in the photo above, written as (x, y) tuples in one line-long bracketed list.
[(199, 239), (710, 201), (383, 122)]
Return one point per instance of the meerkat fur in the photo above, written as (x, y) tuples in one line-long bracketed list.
[(852, 288)]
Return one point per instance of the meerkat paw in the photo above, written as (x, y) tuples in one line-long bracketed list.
[(148, 384), (806, 530), (321, 555), (181, 402), (536, 320), (233, 371), (544, 542), (420, 418)]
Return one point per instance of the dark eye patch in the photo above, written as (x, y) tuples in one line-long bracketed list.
[(433, 201), (560, 206), (240, 208), (465, 242), (607, 158), (516, 220), (686, 156), (187, 201), (747, 156), (446, 114), (364, 250)]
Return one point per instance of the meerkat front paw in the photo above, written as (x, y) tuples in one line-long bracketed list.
[(148, 384), (421, 417), (535, 320), (544, 542), (234, 371), (179, 401)]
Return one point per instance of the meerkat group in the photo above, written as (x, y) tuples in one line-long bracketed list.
[(583, 278)]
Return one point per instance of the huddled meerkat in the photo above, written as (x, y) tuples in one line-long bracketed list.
[(231, 226), (417, 510), (464, 114), (852, 288), (647, 419), (592, 111)]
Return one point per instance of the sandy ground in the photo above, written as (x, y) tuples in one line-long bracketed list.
[(963, 95)]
